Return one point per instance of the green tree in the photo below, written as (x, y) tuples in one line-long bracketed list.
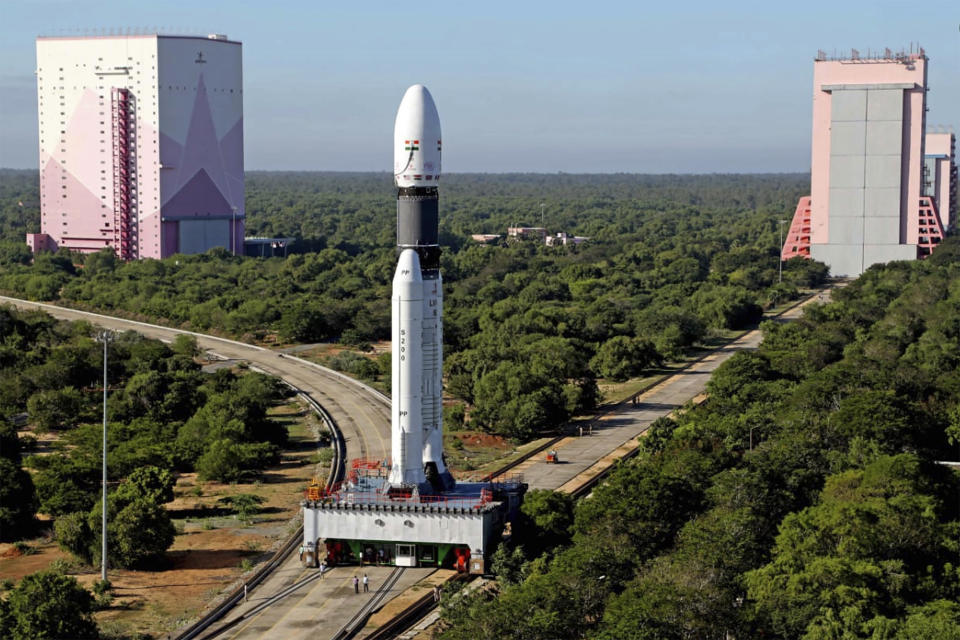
[(55, 409), (547, 518), (49, 606), (855, 557), (73, 535), (245, 505), (622, 357), (152, 484), (18, 501)]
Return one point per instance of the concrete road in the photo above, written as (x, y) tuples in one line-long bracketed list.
[(363, 417), (318, 609), (361, 413), (627, 420)]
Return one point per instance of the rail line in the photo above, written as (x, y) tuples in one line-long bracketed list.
[(356, 622), (337, 467), (413, 612)]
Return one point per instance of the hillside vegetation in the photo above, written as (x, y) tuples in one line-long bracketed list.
[(837, 524), (528, 328)]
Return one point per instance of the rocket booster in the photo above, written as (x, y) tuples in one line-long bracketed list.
[(406, 431), (416, 170)]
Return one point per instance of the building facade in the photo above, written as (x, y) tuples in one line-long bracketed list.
[(940, 173), (141, 144), (866, 203)]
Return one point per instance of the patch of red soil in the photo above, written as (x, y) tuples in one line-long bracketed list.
[(483, 440)]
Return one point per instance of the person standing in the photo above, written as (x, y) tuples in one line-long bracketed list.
[(323, 565), (356, 584), (366, 583)]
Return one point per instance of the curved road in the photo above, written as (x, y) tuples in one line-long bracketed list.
[(361, 413), (363, 416)]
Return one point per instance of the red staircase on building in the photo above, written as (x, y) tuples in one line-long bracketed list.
[(797, 242), (122, 171), (929, 226)]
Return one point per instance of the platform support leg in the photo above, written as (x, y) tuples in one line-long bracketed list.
[(442, 551)]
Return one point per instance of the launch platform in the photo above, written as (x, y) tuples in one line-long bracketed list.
[(363, 520)]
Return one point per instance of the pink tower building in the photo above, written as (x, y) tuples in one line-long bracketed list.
[(940, 173), (141, 144), (867, 204)]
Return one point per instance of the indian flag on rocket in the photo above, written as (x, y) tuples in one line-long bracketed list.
[(411, 147)]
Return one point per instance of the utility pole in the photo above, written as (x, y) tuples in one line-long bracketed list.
[(780, 254), (106, 337)]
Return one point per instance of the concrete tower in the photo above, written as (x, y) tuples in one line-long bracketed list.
[(141, 144), (866, 204)]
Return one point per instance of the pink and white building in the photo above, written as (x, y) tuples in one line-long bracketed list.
[(141, 144), (867, 204), (940, 173)]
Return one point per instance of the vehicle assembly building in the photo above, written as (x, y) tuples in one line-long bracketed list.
[(412, 512), (868, 202), (141, 144)]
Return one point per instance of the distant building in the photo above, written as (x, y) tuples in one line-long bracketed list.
[(940, 174), (563, 238), (867, 204), (527, 233), (485, 238), (141, 144)]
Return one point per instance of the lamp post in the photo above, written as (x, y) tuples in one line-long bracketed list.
[(106, 337), (780, 255)]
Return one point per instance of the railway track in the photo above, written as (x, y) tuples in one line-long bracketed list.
[(365, 394), (238, 595), (356, 622)]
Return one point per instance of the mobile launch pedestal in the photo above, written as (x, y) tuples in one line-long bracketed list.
[(412, 512)]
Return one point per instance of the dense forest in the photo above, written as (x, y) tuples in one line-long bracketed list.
[(529, 328), (837, 523), (165, 416), (802, 500)]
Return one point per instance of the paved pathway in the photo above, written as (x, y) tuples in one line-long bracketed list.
[(318, 609), (627, 421)]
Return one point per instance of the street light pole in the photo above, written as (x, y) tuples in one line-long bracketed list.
[(106, 337)]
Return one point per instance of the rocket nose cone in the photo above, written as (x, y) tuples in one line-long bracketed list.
[(417, 110), (417, 140), (408, 267)]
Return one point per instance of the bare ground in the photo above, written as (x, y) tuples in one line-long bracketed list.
[(212, 549)]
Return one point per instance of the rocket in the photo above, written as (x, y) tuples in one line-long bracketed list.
[(417, 374)]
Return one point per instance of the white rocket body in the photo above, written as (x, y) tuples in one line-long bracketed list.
[(416, 167), (416, 140), (406, 424), (432, 399)]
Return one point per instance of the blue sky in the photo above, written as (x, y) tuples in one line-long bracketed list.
[(601, 86)]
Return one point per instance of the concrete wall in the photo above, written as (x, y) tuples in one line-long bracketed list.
[(940, 160), (201, 136), (867, 149), (188, 106), (473, 528), (75, 78)]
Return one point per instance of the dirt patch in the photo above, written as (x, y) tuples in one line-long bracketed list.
[(468, 451), (213, 548), (14, 564)]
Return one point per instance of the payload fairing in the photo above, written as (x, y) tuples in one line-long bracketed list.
[(417, 415)]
